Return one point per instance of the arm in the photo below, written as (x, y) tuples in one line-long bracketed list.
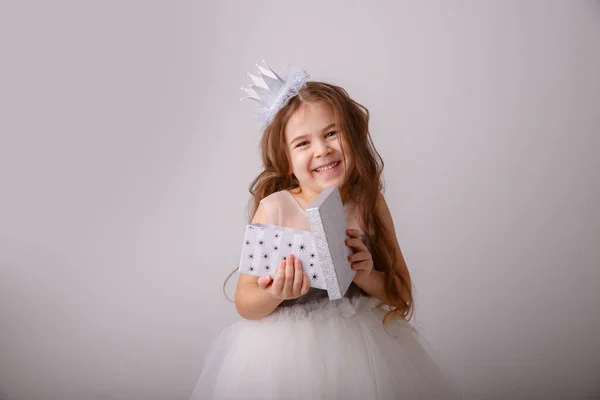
[(252, 302), (374, 283), (255, 297)]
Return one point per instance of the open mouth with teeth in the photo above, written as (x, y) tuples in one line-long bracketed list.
[(328, 168)]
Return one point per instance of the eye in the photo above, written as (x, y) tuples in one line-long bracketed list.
[(302, 144), (330, 134)]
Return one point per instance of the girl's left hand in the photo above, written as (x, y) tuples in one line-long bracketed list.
[(362, 260)]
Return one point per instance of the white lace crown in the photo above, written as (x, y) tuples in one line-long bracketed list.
[(272, 91)]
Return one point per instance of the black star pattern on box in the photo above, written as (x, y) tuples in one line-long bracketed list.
[(265, 256), (251, 256), (301, 247), (290, 244), (275, 248), (284, 258), (312, 264), (267, 267), (312, 255), (314, 276), (261, 242), (247, 242), (277, 236), (251, 268)]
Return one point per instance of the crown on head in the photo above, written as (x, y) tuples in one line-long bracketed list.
[(271, 91)]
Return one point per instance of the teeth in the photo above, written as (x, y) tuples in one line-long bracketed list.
[(325, 169)]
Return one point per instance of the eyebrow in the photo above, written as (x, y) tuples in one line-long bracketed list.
[(328, 127)]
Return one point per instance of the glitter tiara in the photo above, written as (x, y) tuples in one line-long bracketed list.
[(271, 91)]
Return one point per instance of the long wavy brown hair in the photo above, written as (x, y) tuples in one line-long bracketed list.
[(362, 186)]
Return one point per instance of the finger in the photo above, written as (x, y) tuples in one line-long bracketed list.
[(289, 276), (354, 233), (297, 276), (363, 266), (264, 281), (356, 244), (277, 286), (305, 283), (361, 256)]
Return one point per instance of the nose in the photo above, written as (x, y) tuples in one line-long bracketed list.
[(322, 148)]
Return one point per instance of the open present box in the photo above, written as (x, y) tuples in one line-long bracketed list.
[(322, 251)]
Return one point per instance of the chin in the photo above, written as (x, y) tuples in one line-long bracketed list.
[(335, 182)]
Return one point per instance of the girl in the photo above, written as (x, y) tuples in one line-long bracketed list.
[(293, 342)]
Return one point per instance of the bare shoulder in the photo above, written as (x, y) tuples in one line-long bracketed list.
[(275, 196), (260, 215)]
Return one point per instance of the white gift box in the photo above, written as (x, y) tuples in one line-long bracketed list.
[(322, 251)]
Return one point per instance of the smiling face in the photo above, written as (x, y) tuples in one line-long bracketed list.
[(315, 148)]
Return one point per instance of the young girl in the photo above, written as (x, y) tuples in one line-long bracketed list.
[(293, 342)]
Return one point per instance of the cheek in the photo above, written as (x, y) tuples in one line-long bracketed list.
[(304, 163), (300, 162)]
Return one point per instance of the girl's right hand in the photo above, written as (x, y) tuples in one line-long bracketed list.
[(290, 281)]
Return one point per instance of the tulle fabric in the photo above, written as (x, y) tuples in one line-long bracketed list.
[(324, 350)]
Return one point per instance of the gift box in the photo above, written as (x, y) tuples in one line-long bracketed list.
[(322, 251)]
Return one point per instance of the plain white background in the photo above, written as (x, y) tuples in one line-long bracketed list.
[(126, 155)]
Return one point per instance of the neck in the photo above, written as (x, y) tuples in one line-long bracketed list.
[(305, 196)]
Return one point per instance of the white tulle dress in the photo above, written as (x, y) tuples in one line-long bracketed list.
[(314, 348)]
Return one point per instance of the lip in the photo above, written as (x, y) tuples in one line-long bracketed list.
[(326, 165)]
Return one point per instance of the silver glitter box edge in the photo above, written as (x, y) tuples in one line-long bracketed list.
[(328, 225)]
